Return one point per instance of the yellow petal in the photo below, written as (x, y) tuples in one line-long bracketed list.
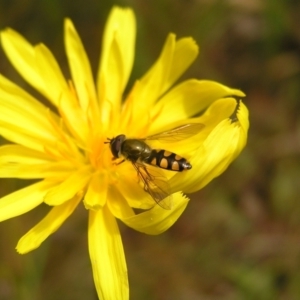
[(175, 57), (22, 56), (20, 154), (243, 117), (221, 145), (60, 94), (33, 121), (188, 99), (54, 219), (186, 51), (157, 219), (130, 189), (15, 97), (147, 90), (80, 67), (219, 149), (60, 169), (117, 55), (26, 124), (117, 204), (156, 80), (19, 135), (75, 119), (24, 200), (54, 81), (54, 88), (36, 64), (107, 256), (66, 190), (95, 197)]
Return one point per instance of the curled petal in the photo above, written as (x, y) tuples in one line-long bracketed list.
[(188, 99), (157, 219), (220, 143)]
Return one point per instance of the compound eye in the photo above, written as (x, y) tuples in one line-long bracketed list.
[(115, 145)]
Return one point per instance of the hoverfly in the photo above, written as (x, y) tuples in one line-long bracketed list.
[(140, 154)]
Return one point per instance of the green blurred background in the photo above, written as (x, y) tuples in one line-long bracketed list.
[(239, 238)]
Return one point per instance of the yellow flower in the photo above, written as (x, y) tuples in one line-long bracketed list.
[(65, 147)]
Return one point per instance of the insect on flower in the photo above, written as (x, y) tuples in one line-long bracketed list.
[(142, 157)]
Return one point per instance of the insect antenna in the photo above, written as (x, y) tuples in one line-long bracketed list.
[(108, 141)]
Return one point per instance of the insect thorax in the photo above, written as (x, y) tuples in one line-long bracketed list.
[(133, 150)]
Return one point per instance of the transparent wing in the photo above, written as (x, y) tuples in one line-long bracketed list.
[(155, 184), (178, 133)]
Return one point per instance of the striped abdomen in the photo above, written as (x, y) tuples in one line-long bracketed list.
[(167, 160)]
